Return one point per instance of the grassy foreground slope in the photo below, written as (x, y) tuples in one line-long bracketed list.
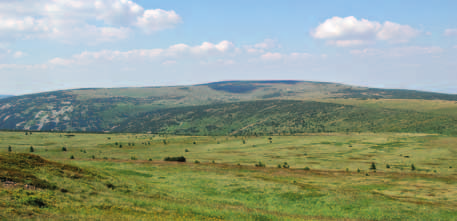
[(105, 109), (104, 181), (286, 117)]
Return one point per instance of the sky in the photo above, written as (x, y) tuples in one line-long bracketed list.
[(48, 45)]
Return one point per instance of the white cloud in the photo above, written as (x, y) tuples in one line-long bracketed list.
[(80, 20), (158, 19), (174, 51), (367, 52), (292, 57), (396, 33), (348, 27), (398, 52), (350, 31), (219, 62), (22, 66), (266, 44), (254, 50), (450, 32), (269, 56), (19, 54), (8, 53), (262, 46), (349, 43)]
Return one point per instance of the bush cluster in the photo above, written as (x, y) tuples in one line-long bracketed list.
[(260, 164), (177, 159)]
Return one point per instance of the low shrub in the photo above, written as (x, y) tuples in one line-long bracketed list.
[(373, 166), (110, 185), (260, 164), (177, 159)]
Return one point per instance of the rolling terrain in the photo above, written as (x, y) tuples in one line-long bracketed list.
[(324, 176), (270, 150), (128, 109)]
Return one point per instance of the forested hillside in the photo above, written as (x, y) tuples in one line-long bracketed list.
[(285, 117)]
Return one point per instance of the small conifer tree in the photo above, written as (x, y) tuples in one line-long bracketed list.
[(31, 149), (413, 167), (10, 149)]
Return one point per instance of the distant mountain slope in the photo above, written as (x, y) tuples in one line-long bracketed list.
[(105, 109), (5, 96), (285, 116)]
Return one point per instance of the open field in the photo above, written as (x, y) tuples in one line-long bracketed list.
[(106, 181)]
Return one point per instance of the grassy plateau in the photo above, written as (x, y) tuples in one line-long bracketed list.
[(312, 176)]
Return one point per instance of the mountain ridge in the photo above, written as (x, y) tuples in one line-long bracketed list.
[(105, 109)]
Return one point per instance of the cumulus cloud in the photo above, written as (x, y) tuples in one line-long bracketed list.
[(262, 46), (350, 31), (158, 19), (291, 57), (450, 32), (398, 52), (174, 51), (88, 21)]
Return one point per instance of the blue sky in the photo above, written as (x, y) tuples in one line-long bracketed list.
[(51, 45)]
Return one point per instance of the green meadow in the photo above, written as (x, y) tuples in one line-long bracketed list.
[(322, 176)]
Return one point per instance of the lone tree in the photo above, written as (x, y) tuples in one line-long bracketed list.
[(413, 167), (373, 166), (64, 149), (31, 149), (10, 149)]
